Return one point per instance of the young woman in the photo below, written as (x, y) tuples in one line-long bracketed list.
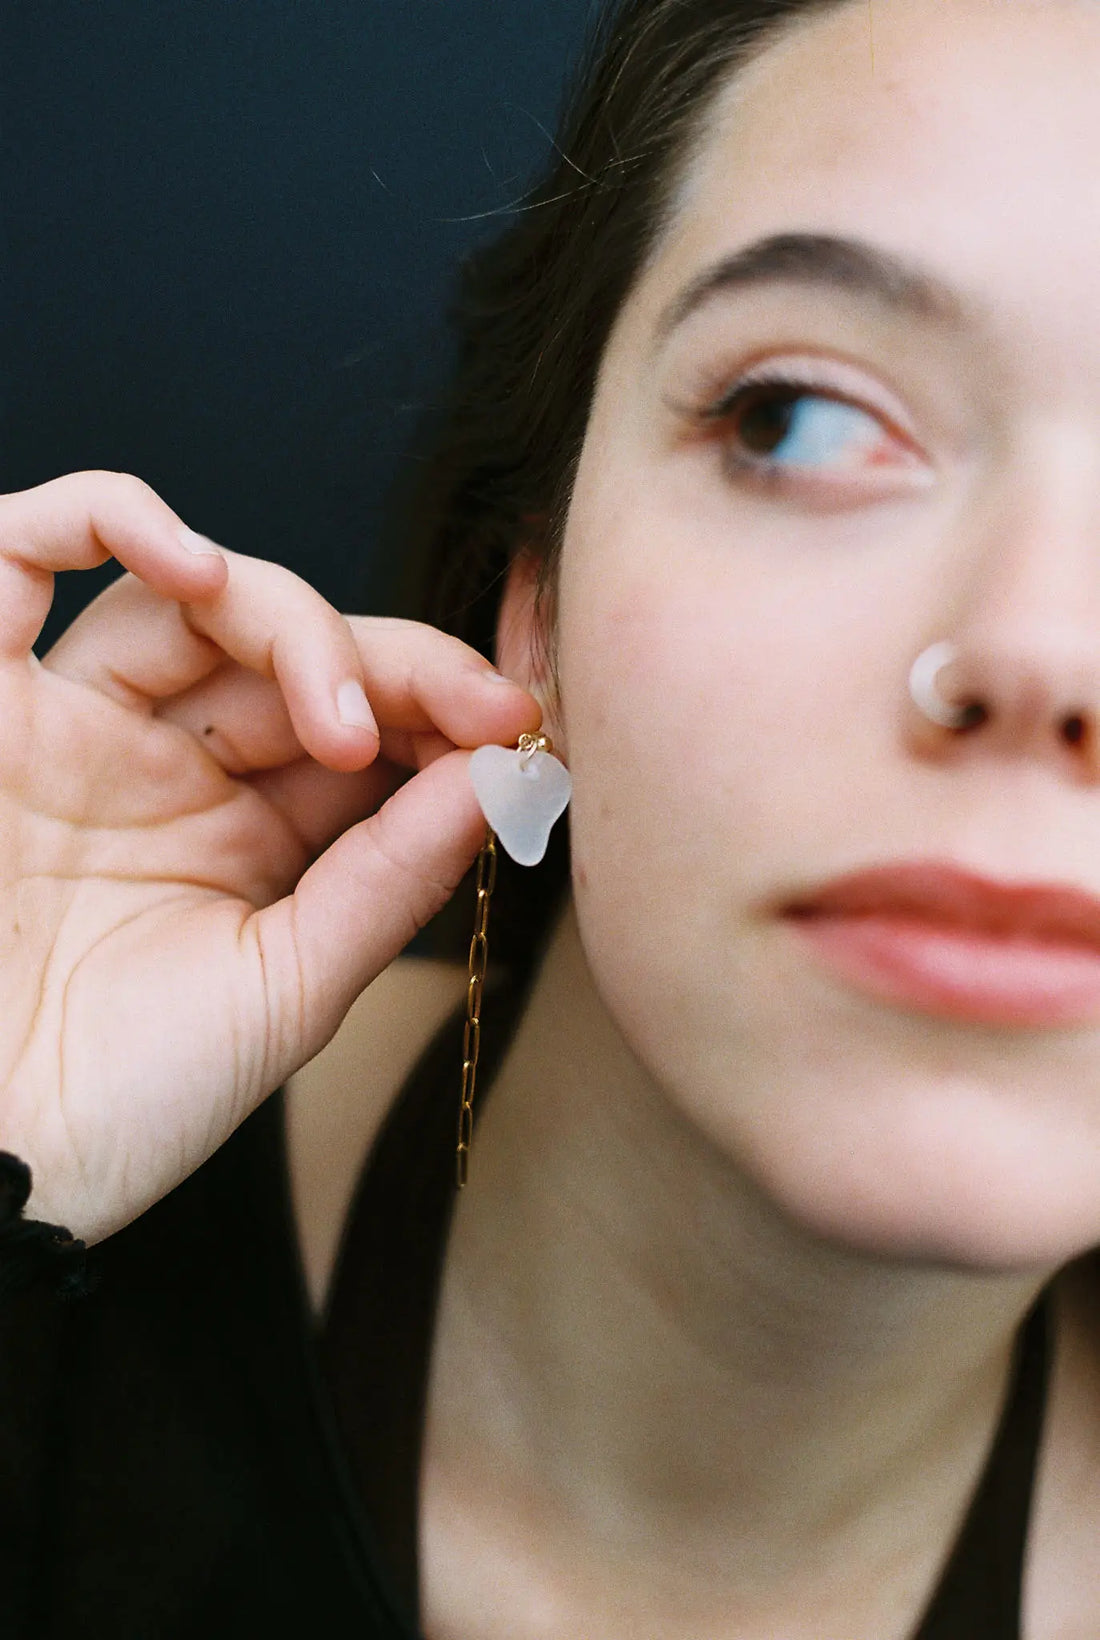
[(771, 478)]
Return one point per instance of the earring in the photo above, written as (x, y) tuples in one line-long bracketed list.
[(521, 793)]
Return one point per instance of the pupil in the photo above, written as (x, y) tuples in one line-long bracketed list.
[(766, 421)]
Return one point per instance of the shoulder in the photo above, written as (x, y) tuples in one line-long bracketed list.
[(335, 1103)]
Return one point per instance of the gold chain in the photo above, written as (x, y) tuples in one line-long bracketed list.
[(479, 956), (471, 1037)]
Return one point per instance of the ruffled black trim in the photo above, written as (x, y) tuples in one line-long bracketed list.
[(32, 1253)]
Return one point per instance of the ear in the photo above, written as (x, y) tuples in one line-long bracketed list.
[(521, 644)]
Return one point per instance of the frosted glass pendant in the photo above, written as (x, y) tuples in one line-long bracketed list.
[(521, 796)]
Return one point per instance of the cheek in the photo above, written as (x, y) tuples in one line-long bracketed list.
[(681, 749), (706, 717), (685, 737)]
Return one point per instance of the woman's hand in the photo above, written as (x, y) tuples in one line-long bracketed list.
[(201, 865)]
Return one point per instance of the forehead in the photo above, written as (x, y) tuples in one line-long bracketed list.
[(963, 137)]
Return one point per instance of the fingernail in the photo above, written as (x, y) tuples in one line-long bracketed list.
[(353, 707), (200, 545), (493, 676)]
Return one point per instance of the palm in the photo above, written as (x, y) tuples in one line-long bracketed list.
[(146, 862)]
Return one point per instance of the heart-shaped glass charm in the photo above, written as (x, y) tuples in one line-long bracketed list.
[(520, 797)]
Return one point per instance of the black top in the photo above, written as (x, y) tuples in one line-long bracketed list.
[(182, 1455)]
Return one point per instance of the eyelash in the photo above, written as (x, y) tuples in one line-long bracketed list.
[(752, 389)]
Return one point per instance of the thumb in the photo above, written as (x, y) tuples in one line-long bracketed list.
[(364, 899)]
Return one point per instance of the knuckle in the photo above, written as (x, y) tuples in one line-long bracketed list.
[(282, 586), (88, 487), (101, 496), (128, 487), (99, 483), (293, 595), (124, 479), (417, 642)]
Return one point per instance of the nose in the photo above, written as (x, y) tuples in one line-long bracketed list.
[(1021, 664), (1033, 701)]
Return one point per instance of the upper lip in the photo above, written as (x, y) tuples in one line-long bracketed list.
[(945, 893)]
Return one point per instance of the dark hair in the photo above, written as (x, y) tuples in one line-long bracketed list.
[(534, 311)]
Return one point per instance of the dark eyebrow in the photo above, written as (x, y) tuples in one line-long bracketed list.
[(828, 261)]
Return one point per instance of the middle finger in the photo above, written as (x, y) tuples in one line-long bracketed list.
[(429, 693)]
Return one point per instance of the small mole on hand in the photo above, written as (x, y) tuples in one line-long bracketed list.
[(209, 730)]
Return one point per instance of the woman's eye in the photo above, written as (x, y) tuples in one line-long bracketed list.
[(776, 428)]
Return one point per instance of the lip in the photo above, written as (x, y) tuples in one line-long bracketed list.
[(948, 941)]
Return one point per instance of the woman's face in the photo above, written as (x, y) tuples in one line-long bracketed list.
[(735, 641)]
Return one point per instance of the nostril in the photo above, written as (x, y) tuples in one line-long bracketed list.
[(971, 716), (1073, 729)]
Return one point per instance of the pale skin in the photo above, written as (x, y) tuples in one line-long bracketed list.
[(728, 1306)]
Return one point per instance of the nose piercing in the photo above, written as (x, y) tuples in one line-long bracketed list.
[(922, 687)]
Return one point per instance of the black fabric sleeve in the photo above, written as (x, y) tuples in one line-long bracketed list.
[(39, 1263), (165, 1466), (33, 1254)]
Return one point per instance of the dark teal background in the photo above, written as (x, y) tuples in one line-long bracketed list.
[(227, 233)]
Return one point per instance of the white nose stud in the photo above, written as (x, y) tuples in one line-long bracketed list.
[(922, 686)]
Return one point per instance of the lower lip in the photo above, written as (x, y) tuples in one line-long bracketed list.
[(958, 973)]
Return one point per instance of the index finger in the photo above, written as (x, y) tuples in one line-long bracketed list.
[(78, 522), (420, 679)]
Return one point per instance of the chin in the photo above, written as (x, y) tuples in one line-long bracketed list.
[(894, 1136), (996, 1197), (873, 1129)]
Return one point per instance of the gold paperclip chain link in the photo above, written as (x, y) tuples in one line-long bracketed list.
[(479, 956), (471, 1037)]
